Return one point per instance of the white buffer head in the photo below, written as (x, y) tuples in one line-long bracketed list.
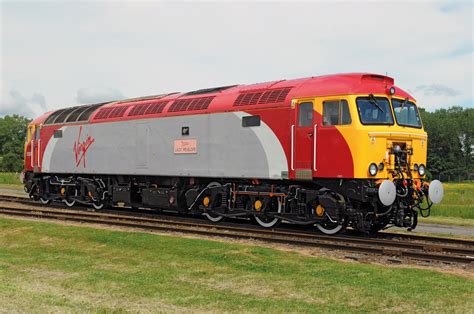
[(387, 192), (436, 191)]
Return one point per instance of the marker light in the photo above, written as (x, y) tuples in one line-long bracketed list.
[(392, 90), (381, 166), (373, 169), (421, 170), (415, 167)]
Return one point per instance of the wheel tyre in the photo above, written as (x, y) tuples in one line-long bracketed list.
[(98, 205), (267, 224), (70, 203), (332, 229), (44, 201), (213, 217), (376, 228)]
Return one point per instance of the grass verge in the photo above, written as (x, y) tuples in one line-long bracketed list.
[(458, 201), (47, 267), (455, 221), (9, 178)]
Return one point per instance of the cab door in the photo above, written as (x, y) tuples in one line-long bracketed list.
[(333, 158), (304, 141), (29, 147), (36, 149)]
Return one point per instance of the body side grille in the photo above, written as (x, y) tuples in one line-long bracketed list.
[(200, 103), (270, 96)]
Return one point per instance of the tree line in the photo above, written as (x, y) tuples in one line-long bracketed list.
[(450, 143)]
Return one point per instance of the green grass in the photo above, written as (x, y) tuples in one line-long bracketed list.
[(47, 267), (9, 178), (458, 201), (455, 221)]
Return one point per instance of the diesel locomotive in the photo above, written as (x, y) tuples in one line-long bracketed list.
[(330, 151)]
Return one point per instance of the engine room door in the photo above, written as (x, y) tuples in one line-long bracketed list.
[(304, 139), (142, 145)]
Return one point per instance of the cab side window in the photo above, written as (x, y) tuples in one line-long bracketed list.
[(305, 114), (336, 112)]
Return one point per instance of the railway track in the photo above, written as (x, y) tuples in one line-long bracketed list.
[(429, 249)]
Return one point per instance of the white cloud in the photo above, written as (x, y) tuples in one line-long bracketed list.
[(436, 90), (142, 48), (15, 103), (92, 95)]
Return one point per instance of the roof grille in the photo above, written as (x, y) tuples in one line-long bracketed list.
[(270, 96), (72, 115), (150, 108), (111, 112), (200, 103)]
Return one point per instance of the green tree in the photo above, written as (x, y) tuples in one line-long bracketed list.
[(450, 142), (12, 139)]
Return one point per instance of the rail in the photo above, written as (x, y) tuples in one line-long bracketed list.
[(430, 249)]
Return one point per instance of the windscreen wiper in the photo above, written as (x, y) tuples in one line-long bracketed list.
[(373, 101), (404, 103)]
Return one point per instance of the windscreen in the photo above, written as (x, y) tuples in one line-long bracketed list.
[(374, 110), (406, 113)]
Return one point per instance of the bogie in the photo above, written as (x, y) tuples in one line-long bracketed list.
[(267, 203)]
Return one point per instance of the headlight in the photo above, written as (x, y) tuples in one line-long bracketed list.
[(415, 167), (421, 170), (373, 169)]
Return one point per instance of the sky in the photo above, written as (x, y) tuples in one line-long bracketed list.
[(63, 53)]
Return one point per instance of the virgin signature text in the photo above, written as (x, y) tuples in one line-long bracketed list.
[(81, 147)]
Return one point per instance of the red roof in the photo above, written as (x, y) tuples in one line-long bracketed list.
[(242, 97)]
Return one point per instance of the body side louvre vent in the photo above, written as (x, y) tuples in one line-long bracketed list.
[(111, 112), (200, 103), (270, 96), (149, 108)]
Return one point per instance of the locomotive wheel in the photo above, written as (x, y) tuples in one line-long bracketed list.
[(44, 201), (211, 216), (69, 203), (268, 221), (376, 227), (331, 228), (98, 205)]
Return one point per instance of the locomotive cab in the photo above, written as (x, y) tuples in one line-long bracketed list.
[(372, 148)]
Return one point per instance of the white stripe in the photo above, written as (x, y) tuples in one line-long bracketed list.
[(39, 152), (48, 152), (292, 146), (314, 147), (32, 156), (276, 158)]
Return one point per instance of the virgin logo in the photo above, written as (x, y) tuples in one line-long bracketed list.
[(81, 147)]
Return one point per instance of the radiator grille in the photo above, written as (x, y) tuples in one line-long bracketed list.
[(270, 96), (111, 112), (200, 103), (146, 109)]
